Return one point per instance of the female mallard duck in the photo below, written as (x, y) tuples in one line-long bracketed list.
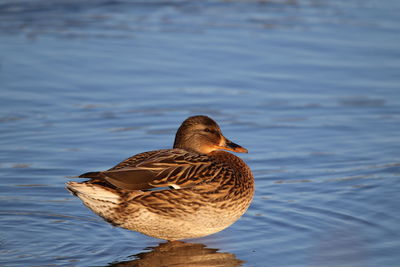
[(190, 191)]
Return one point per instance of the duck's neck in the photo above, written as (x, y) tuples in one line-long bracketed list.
[(235, 162)]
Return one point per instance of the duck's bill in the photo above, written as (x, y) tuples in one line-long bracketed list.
[(231, 146)]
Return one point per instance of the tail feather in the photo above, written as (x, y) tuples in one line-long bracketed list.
[(102, 200), (93, 192), (99, 199), (91, 175)]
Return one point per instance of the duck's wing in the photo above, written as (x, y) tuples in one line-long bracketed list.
[(173, 167), (136, 159), (129, 162)]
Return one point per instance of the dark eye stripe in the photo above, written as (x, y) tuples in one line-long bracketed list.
[(207, 130)]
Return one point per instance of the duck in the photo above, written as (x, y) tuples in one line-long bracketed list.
[(195, 189)]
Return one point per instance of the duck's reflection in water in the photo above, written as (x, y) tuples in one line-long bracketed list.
[(178, 253)]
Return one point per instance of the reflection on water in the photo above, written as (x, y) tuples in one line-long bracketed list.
[(181, 254)]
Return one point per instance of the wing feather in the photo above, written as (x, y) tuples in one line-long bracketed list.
[(161, 168)]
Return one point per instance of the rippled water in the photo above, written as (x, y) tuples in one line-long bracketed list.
[(310, 88)]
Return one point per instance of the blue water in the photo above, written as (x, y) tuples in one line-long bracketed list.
[(310, 88)]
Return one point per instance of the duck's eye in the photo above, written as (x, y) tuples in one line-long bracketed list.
[(208, 130)]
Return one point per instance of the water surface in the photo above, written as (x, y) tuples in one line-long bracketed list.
[(310, 88)]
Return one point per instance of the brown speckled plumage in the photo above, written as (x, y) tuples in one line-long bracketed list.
[(192, 190)]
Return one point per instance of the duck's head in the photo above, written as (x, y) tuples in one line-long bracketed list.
[(202, 134)]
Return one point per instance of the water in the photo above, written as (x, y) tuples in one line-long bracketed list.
[(310, 88)]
